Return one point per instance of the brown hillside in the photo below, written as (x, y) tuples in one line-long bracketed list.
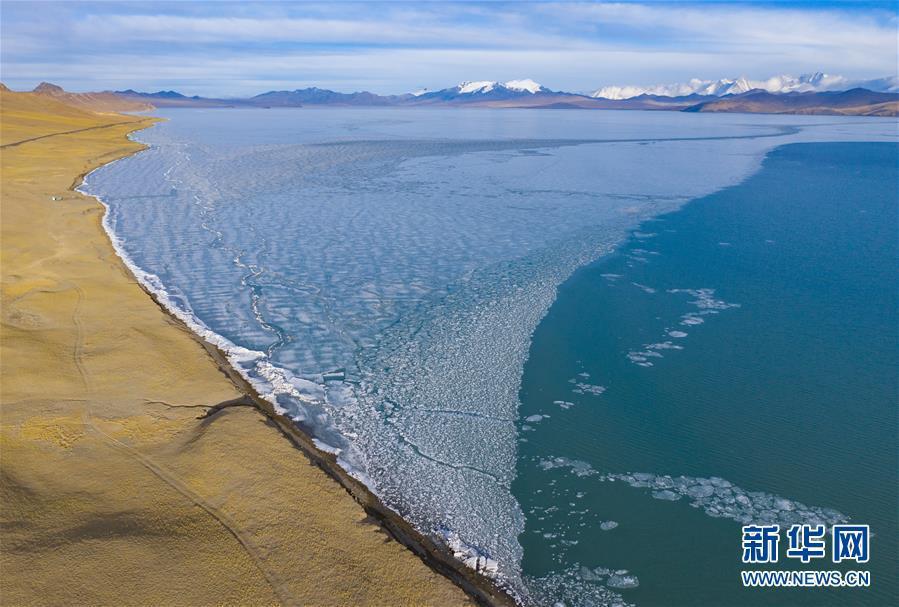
[(95, 102), (27, 116)]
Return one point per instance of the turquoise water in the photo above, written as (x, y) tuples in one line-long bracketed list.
[(789, 386)]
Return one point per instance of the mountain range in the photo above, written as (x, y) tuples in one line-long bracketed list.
[(854, 102), (816, 82), (98, 102), (808, 94)]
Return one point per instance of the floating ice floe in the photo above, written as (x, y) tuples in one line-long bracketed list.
[(705, 299), (663, 345), (608, 525), (580, 585), (620, 578), (535, 418), (667, 495), (720, 498), (581, 387), (644, 288), (641, 357), (563, 404), (622, 581), (578, 467), (707, 303), (716, 496)]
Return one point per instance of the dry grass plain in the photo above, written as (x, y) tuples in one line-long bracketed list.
[(114, 489)]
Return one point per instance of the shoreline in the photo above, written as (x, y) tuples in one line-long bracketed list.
[(435, 555)]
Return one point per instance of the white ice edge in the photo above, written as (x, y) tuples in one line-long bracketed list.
[(280, 381)]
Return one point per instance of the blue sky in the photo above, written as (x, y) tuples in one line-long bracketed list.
[(239, 48)]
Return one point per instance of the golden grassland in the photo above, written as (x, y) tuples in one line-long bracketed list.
[(26, 116), (115, 489)]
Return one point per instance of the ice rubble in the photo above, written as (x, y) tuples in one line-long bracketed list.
[(716, 496), (580, 585), (722, 499), (705, 301)]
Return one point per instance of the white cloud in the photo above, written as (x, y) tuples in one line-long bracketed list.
[(233, 49), (422, 31), (382, 71), (742, 25)]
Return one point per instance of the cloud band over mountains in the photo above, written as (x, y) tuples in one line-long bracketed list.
[(228, 48)]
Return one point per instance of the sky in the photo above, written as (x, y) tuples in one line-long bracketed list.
[(242, 48)]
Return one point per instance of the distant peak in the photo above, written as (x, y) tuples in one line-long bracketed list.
[(477, 86), (780, 84), (171, 94), (485, 86), (45, 88), (524, 85)]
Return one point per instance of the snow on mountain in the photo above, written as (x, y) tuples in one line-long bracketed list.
[(485, 86), (524, 85), (784, 83), (695, 86), (726, 87), (480, 86), (623, 92)]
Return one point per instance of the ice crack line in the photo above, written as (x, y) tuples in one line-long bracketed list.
[(418, 451)]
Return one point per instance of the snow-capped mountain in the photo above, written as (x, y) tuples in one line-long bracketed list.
[(481, 91), (816, 93), (481, 87), (525, 85), (724, 86), (817, 81)]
